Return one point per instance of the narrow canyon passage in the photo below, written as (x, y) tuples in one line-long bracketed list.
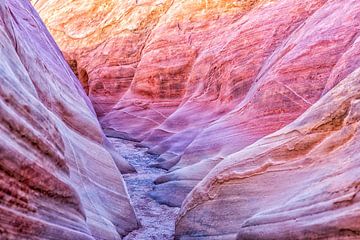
[(253, 107), (157, 221)]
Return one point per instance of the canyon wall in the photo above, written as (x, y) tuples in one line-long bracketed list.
[(198, 80), (59, 176), (204, 83), (301, 182)]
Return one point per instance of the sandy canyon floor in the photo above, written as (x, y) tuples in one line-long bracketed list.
[(157, 221)]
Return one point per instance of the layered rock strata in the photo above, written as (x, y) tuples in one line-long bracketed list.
[(59, 176), (199, 80), (301, 182)]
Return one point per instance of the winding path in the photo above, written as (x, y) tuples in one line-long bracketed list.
[(158, 221)]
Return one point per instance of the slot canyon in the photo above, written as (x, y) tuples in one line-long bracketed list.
[(179, 119)]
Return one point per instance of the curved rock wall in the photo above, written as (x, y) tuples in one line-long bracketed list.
[(56, 167), (300, 182), (200, 81)]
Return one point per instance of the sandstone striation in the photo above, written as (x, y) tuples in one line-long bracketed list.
[(300, 182), (197, 81), (59, 176)]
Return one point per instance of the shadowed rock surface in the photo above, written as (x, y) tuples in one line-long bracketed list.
[(56, 166)]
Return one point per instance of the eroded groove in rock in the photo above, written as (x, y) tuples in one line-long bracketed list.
[(59, 176)]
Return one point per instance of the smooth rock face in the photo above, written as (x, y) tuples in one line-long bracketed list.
[(199, 80), (59, 176), (301, 182)]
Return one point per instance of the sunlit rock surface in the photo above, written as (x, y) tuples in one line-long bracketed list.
[(301, 182), (59, 176)]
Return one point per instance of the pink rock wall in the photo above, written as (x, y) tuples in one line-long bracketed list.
[(300, 182), (261, 94), (199, 80), (56, 166)]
